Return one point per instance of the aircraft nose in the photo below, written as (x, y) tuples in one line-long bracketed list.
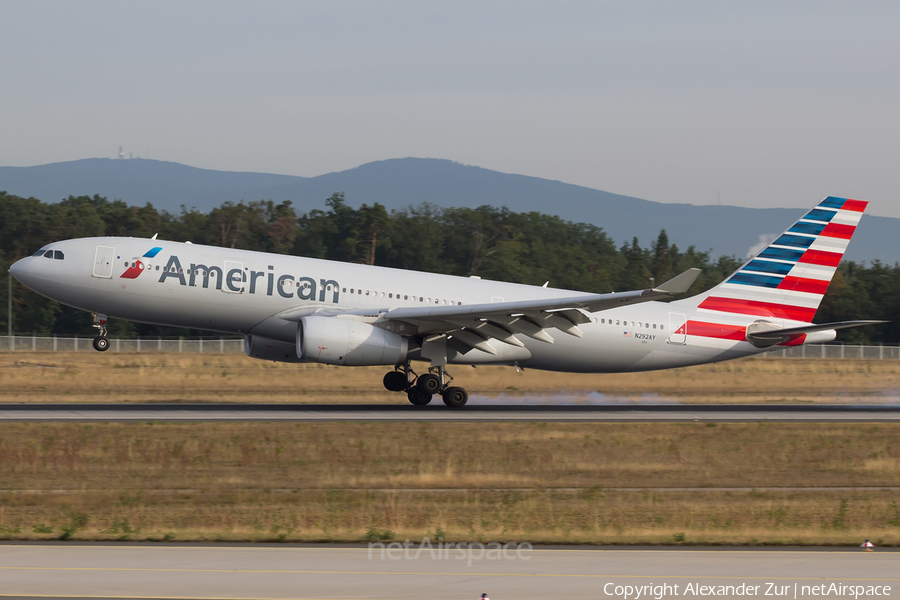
[(19, 270)]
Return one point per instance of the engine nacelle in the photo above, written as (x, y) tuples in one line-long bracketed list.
[(266, 349), (335, 341)]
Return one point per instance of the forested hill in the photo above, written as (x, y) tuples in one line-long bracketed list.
[(494, 243), (399, 183)]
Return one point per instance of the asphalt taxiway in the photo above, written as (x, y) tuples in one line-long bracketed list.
[(323, 572), (838, 413)]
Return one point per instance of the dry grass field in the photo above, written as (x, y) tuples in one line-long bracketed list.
[(551, 483), (540, 482), (125, 377)]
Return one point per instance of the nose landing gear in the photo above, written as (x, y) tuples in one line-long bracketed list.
[(101, 342), (422, 388)]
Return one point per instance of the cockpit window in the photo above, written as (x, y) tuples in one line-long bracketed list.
[(39, 252), (58, 255), (48, 254)]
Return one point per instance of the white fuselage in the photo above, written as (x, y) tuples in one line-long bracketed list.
[(255, 293)]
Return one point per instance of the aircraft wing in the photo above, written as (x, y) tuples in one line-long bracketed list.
[(476, 325)]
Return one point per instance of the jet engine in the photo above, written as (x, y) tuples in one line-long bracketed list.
[(266, 349), (334, 341)]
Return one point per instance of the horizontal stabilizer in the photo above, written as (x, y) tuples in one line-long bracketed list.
[(775, 334)]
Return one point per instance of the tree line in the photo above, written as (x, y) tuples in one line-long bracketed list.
[(491, 242)]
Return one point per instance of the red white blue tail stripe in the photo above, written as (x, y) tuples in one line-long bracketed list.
[(788, 279)]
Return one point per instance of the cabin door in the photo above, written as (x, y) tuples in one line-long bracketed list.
[(677, 328), (104, 257), (233, 277)]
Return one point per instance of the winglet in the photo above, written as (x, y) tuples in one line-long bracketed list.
[(680, 283)]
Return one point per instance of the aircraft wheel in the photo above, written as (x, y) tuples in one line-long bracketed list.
[(395, 381), (101, 343), (418, 397), (429, 383), (455, 397)]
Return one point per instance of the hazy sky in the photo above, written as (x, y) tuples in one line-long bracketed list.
[(759, 103)]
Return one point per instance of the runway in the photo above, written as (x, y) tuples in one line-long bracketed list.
[(323, 572), (378, 412)]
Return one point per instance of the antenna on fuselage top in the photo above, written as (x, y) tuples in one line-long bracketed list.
[(154, 236)]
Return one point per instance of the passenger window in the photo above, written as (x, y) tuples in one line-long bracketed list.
[(367, 292), (661, 327), (654, 326), (617, 321), (406, 296)]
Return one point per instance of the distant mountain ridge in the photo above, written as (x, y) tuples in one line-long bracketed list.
[(399, 183)]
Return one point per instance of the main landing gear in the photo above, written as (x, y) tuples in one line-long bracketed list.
[(422, 388), (101, 342)]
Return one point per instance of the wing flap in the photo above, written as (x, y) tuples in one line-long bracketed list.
[(473, 340), (525, 326), (490, 330)]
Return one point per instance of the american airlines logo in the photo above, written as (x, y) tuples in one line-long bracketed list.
[(136, 267), (240, 281)]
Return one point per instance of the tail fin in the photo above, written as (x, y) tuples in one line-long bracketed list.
[(788, 279)]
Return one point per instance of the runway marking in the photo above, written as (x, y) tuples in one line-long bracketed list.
[(155, 597), (256, 548), (563, 575)]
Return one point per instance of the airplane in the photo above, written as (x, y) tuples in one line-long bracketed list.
[(295, 309)]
